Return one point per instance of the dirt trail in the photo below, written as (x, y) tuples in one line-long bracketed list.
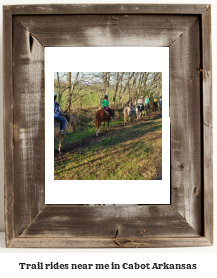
[(84, 143), (80, 159)]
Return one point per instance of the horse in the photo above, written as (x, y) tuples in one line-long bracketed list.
[(128, 112), (102, 116), (70, 121), (145, 109), (139, 109), (154, 106)]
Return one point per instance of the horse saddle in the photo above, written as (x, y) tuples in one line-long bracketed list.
[(107, 112)]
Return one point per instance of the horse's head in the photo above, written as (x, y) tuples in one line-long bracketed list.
[(113, 111)]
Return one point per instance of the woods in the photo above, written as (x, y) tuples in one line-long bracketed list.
[(83, 89), (131, 151)]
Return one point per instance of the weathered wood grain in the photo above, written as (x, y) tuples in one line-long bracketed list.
[(207, 118), (8, 125), (207, 66), (107, 30), (106, 9), (208, 183), (186, 29), (69, 242), (29, 141), (109, 222), (186, 133)]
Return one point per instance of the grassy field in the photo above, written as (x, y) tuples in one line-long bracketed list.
[(86, 126), (131, 152)]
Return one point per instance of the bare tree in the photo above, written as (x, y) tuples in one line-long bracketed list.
[(122, 91), (86, 88), (70, 90), (118, 78), (60, 85)]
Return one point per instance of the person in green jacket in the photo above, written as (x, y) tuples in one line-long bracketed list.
[(105, 105)]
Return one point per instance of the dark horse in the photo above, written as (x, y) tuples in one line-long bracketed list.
[(102, 116), (154, 106)]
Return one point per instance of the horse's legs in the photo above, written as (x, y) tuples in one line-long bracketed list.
[(103, 126), (97, 125), (125, 116), (97, 131), (59, 146), (108, 125), (60, 137), (137, 113)]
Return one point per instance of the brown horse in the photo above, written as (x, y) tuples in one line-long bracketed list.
[(102, 116), (154, 106)]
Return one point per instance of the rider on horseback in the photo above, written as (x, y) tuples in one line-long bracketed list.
[(57, 114), (140, 103), (147, 102), (105, 106), (130, 105)]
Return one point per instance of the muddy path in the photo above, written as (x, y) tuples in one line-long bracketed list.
[(131, 151), (85, 143)]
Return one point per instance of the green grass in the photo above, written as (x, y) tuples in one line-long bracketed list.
[(88, 130), (133, 153)]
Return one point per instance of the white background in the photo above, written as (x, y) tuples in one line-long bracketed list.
[(93, 59), (204, 256)]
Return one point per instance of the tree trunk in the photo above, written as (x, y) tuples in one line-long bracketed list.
[(116, 88), (58, 88), (126, 85), (68, 92), (108, 75)]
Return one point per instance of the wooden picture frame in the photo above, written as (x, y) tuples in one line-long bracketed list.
[(186, 30)]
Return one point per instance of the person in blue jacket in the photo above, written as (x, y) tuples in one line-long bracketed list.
[(58, 115)]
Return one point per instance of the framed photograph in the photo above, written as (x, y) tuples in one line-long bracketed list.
[(31, 32), (130, 149)]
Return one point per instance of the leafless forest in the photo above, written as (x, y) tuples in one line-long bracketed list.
[(86, 89), (131, 151)]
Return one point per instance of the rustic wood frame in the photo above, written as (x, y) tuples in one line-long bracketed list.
[(188, 220)]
